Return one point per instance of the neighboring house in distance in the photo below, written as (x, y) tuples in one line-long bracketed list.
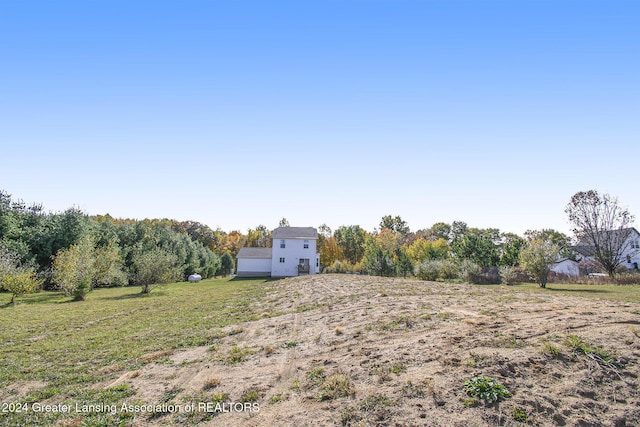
[(630, 256), (294, 253), (566, 266)]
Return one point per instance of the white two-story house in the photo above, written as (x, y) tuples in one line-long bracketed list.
[(629, 248), (293, 253)]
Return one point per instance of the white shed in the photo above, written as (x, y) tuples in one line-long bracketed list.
[(254, 262)]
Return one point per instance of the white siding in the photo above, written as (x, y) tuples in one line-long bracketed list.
[(567, 267), (293, 251), (254, 267), (631, 255)]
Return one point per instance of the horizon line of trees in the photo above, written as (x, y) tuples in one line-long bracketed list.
[(75, 252)]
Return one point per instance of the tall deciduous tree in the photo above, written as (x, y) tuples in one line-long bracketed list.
[(74, 269), (351, 239), (330, 251), (511, 246), (226, 264), (377, 260), (283, 223), (395, 224), (479, 246), (423, 250), (602, 224)]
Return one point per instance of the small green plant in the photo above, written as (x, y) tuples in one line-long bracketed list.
[(374, 401), (219, 397), (602, 357), (335, 386), (470, 402), (237, 355), (280, 397), (397, 369), (550, 349), (485, 388), (350, 416), (170, 395), (295, 384), (251, 395), (520, 415), (316, 376), (291, 344)]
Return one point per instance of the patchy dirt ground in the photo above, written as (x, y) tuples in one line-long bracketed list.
[(369, 351)]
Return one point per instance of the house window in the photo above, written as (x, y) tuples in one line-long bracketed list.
[(306, 244), (629, 259), (317, 262), (281, 260), (634, 244), (282, 245)]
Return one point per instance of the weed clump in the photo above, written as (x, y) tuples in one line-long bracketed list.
[(486, 389)]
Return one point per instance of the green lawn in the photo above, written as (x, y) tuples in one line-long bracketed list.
[(626, 293), (67, 345)]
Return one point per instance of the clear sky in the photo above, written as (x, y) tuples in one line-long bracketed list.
[(238, 113)]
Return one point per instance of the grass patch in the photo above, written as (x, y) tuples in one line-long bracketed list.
[(335, 386), (237, 354), (626, 293), (316, 376), (520, 415), (602, 357), (279, 397), (113, 327), (251, 395)]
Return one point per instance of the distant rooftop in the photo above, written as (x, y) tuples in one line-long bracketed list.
[(295, 233)]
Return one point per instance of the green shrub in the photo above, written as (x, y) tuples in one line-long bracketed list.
[(470, 271), (226, 265), (508, 274), (428, 270), (344, 266), (449, 270)]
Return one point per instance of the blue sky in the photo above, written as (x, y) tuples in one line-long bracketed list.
[(239, 113)]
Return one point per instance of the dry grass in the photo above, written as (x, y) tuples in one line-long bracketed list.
[(357, 350)]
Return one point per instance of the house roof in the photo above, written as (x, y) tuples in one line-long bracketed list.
[(615, 234), (295, 233), (254, 253), (561, 260), (584, 250)]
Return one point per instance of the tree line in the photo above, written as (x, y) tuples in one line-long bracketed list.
[(75, 252)]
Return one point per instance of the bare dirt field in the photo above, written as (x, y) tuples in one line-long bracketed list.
[(370, 351)]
